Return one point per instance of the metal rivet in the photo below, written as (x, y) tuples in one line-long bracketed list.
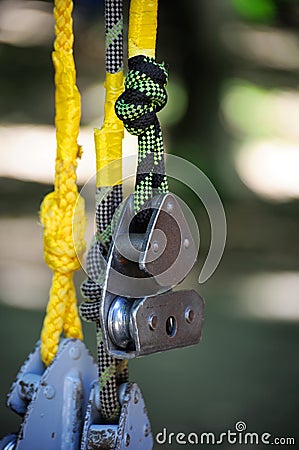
[(169, 207), (75, 352), (155, 246), (153, 322), (49, 391), (189, 315), (127, 440), (186, 243)]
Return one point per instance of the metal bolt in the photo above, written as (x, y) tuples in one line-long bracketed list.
[(75, 352), (127, 440), (153, 322), (169, 207), (49, 391), (155, 246), (186, 243), (189, 315)]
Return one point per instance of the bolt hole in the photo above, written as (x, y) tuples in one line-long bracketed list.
[(153, 322), (189, 315), (171, 326)]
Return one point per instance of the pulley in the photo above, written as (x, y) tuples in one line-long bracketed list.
[(66, 401), (52, 400), (140, 314), (61, 408)]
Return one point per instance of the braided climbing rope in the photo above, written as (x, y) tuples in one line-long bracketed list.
[(144, 96), (108, 142), (58, 214)]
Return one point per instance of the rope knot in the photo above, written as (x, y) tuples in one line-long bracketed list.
[(64, 229), (144, 94)]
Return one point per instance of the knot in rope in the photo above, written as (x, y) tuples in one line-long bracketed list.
[(62, 215), (144, 94), (64, 227)]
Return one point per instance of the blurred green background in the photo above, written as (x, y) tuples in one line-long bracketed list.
[(233, 111)]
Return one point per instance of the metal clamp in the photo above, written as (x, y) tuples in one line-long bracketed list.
[(53, 400), (161, 257), (61, 406), (154, 324), (137, 314), (132, 431)]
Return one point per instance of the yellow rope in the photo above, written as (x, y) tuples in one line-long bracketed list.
[(108, 139), (143, 28), (62, 211)]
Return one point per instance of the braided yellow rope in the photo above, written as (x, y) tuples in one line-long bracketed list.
[(63, 209)]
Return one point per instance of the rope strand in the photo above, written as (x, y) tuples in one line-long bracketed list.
[(144, 96), (62, 211), (108, 143)]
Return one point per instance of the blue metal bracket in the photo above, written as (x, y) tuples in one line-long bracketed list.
[(132, 431), (61, 409), (53, 400)]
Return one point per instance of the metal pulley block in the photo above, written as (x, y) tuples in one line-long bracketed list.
[(139, 314), (52, 400), (61, 409), (132, 430), (155, 324)]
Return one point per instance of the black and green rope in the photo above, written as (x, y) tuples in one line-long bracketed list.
[(111, 371), (137, 107)]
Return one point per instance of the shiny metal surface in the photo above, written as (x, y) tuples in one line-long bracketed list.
[(118, 321)]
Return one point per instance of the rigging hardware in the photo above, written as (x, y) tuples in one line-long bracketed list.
[(144, 275)]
